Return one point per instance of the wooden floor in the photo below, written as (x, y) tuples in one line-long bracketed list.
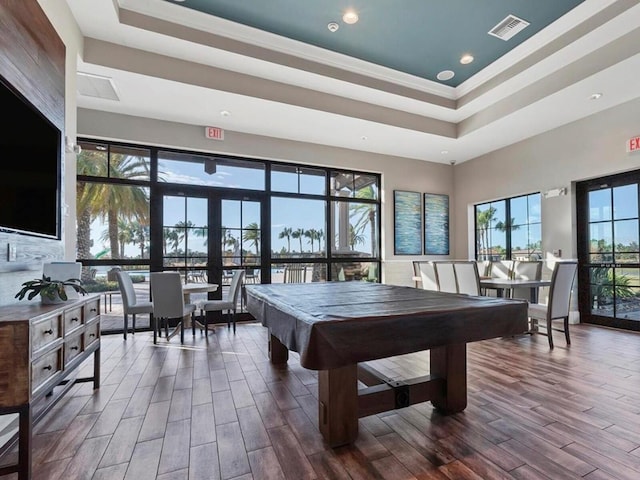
[(220, 410)]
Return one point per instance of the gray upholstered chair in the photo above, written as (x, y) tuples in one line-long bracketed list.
[(168, 302), (559, 301), (525, 270), (425, 275), (229, 303), (130, 304), (467, 277), (446, 275)]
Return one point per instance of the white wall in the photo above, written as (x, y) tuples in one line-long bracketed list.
[(588, 148), (397, 173)]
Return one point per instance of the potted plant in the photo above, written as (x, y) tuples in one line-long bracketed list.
[(50, 291)]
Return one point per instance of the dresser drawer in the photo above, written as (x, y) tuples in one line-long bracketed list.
[(91, 309), (72, 348), (92, 333), (72, 320), (45, 332), (45, 368)]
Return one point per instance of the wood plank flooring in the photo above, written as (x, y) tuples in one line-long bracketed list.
[(219, 410)]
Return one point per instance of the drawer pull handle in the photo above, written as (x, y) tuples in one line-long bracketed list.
[(92, 334), (74, 347), (48, 367), (48, 332), (93, 310), (75, 319)]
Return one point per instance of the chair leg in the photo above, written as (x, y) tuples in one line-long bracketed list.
[(126, 325), (166, 328), (193, 324), (566, 330), (549, 334), (154, 324), (206, 324), (182, 331), (133, 324)]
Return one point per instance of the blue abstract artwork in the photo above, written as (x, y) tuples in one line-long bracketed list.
[(407, 223), (436, 224)]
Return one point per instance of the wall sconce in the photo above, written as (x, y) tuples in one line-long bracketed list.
[(555, 192), (71, 147)]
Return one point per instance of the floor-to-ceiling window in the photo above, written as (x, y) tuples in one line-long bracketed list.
[(209, 215), (608, 223), (509, 229)]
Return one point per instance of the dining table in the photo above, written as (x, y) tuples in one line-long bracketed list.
[(501, 285), (338, 326), (187, 290)]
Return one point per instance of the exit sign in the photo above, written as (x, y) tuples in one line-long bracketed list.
[(214, 133), (633, 145)]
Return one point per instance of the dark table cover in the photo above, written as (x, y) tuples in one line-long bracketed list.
[(335, 324)]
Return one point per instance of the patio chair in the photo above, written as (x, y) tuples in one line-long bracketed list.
[(559, 301), (295, 274), (130, 304)]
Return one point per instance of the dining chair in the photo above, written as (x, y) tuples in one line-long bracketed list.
[(467, 277), (501, 269), (229, 303), (425, 274), (130, 304), (562, 280), (446, 276), (168, 302), (525, 270), (295, 273), (252, 275)]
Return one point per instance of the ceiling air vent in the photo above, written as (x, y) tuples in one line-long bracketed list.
[(97, 86), (508, 27)]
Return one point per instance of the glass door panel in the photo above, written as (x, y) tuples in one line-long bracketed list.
[(609, 250)]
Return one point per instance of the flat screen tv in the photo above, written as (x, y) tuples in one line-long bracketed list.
[(30, 168)]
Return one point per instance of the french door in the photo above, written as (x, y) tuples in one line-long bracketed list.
[(207, 235), (609, 250)]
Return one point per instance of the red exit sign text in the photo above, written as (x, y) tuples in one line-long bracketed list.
[(214, 133), (633, 145)]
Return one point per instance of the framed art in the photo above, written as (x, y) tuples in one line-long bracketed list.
[(436, 224), (407, 223)]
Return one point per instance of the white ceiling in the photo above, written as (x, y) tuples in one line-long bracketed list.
[(179, 72)]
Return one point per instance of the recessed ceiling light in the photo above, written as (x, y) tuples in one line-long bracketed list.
[(364, 137), (444, 152), (445, 75), (333, 27), (179, 1), (466, 59), (350, 17), (225, 113), (595, 96)]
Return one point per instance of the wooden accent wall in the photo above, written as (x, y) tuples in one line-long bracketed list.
[(32, 61), (32, 57)]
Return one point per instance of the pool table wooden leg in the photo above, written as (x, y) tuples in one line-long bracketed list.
[(278, 353), (450, 362), (338, 405)]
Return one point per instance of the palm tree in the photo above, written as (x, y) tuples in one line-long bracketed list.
[(252, 235), (355, 237), (365, 215), (298, 233), (311, 235), (483, 222), (109, 201), (286, 233)]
